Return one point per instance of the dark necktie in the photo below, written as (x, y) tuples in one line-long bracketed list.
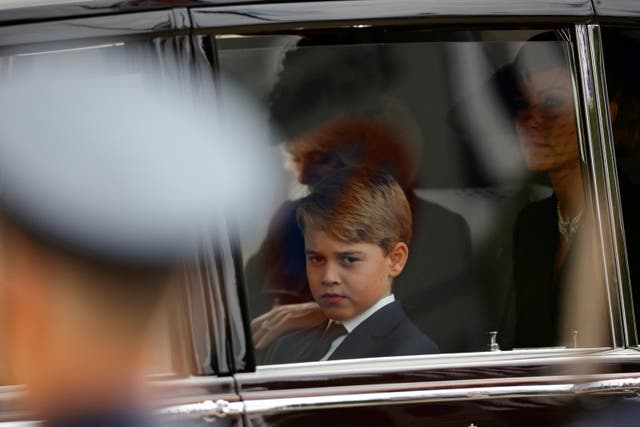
[(321, 346)]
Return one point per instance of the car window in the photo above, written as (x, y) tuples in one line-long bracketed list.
[(479, 130), (621, 63)]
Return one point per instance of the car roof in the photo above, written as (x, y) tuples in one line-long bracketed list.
[(618, 8), (18, 11), (22, 11)]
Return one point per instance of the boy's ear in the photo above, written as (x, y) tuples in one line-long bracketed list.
[(398, 256)]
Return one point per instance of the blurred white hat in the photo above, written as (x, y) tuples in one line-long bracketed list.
[(129, 167)]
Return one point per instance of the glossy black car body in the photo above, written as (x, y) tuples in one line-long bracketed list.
[(217, 378)]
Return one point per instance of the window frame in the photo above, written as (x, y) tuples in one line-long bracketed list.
[(602, 173), (594, 143), (598, 146)]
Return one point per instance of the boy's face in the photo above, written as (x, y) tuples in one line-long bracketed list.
[(348, 278)]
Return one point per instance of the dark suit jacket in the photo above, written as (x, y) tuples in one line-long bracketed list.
[(535, 239), (387, 332)]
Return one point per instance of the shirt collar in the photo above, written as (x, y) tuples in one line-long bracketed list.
[(351, 324)]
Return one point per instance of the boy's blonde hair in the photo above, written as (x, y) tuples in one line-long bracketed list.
[(357, 205)]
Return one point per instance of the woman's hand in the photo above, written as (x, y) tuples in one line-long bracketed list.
[(280, 319)]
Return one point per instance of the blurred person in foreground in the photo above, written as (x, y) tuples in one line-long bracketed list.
[(101, 198)]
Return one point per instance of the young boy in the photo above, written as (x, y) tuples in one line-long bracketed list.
[(357, 227)]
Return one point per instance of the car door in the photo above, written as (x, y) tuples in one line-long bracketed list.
[(618, 29), (439, 65), (189, 335)]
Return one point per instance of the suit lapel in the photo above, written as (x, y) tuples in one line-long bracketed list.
[(370, 336)]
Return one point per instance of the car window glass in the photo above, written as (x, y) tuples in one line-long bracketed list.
[(479, 130), (622, 67)]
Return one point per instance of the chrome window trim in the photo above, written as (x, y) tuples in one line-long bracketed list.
[(621, 263), (558, 386), (403, 393), (600, 172), (315, 13), (555, 358), (386, 365), (589, 143), (263, 402)]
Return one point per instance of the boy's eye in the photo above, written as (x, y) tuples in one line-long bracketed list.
[(315, 259), (349, 259)]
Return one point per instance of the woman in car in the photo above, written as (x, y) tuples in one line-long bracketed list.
[(552, 235)]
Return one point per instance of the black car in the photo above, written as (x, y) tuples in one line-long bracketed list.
[(519, 124)]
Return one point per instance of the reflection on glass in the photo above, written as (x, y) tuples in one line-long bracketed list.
[(478, 129), (550, 235)]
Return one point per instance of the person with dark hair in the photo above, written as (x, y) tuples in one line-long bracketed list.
[(357, 226), (552, 235), (334, 78)]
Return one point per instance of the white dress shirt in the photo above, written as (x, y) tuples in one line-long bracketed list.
[(351, 324)]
